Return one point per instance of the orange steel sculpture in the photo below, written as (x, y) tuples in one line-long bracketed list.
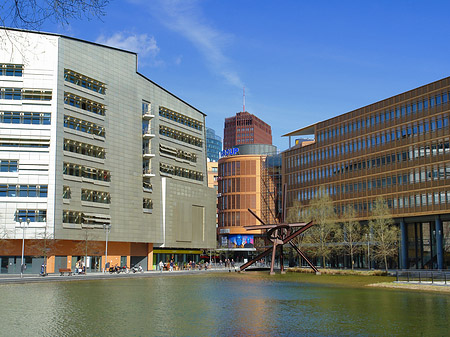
[(279, 234)]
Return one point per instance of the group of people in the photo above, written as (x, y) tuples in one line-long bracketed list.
[(227, 263), (186, 266), (80, 268), (163, 265)]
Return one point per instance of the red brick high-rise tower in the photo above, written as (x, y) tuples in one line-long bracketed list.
[(245, 128)]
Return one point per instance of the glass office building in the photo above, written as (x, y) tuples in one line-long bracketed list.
[(398, 149)]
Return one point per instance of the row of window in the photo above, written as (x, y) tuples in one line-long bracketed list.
[(381, 138), (84, 126), (15, 117), (86, 172), (18, 142), (178, 153), (412, 176), (178, 135), (76, 217), (421, 175), (248, 140), (181, 172), (180, 118), (84, 149), (9, 69), (147, 203), (402, 202), (84, 81), (7, 165), (435, 148), (25, 94), (84, 103), (385, 116), (95, 196), (26, 191), (230, 169), (35, 215)]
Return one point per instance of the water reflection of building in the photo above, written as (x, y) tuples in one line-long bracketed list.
[(398, 149), (89, 142), (249, 179)]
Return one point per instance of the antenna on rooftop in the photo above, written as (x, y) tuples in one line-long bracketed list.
[(244, 101)]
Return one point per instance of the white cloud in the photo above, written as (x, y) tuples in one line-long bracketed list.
[(185, 17), (178, 60), (142, 44)]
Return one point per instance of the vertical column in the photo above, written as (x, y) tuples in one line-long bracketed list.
[(149, 256), (439, 248), (404, 245)]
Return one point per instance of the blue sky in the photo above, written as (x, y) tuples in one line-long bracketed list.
[(300, 61)]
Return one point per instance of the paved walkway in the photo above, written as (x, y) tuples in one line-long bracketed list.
[(29, 278)]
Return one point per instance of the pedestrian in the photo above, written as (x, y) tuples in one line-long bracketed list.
[(43, 273), (171, 265), (161, 266)]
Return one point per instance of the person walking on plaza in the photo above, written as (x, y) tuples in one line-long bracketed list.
[(161, 266), (171, 265)]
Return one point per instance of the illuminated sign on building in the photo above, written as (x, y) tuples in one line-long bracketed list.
[(229, 152), (240, 241)]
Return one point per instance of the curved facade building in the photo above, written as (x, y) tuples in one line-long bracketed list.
[(243, 185)]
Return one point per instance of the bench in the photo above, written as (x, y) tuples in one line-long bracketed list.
[(65, 270)]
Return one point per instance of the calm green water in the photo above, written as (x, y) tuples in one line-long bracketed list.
[(212, 304)]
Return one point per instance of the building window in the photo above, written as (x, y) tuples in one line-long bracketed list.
[(72, 217), (86, 172), (84, 103), (9, 69), (67, 193), (84, 149), (25, 94), (181, 136), (170, 151), (181, 172), (35, 215), (15, 117), (95, 196), (84, 81), (146, 108), (83, 126), (9, 165), (147, 203), (180, 118), (23, 191)]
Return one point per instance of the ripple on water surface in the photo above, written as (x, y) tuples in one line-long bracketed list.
[(251, 304)]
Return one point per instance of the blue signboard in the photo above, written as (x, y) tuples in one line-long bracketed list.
[(229, 152)]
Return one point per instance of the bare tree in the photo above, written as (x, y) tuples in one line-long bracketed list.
[(44, 245), (350, 233), (89, 246), (385, 233), (322, 234), (5, 242), (32, 14)]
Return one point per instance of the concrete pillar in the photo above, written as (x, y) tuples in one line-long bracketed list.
[(439, 247), (404, 245), (150, 256)]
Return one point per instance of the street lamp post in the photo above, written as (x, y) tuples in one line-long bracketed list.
[(107, 228), (23, 243)]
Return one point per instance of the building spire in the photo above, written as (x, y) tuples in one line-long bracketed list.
[(244, 101)]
